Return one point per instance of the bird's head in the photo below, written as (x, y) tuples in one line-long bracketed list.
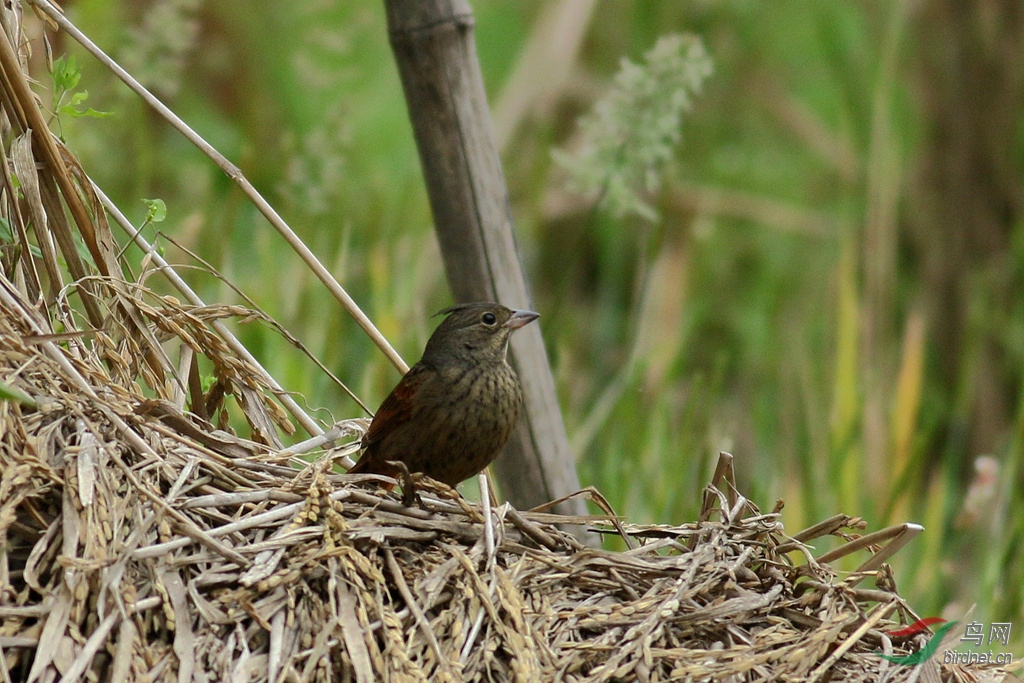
[(478, 331)]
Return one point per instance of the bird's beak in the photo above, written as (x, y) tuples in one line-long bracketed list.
[(520, 318)]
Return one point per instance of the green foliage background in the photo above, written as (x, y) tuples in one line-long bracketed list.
[(742, 319)]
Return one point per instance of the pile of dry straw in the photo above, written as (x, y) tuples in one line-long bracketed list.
[(139, 541)]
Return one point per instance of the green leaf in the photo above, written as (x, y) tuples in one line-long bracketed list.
[(77, 99), (9, 393), (7, 235), (83, 251), (66, 73), (156, 210), (87, 113)]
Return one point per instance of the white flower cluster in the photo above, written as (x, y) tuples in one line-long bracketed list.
[(632, 130)]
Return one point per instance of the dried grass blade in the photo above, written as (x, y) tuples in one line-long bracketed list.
[(24, 164), (34, 285), (89, 650), (880, 613), (421, 619), (53, 632), (353, 634), (127, 639), (900, 533)]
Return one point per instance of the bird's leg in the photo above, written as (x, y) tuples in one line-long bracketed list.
[(416, 484), (409, 495)]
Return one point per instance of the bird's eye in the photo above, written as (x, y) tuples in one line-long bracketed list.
[(488, 319)]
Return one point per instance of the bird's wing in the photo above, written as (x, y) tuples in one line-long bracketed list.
[(396, 409)]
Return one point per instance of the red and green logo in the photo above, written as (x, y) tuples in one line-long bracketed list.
[(929, 649)]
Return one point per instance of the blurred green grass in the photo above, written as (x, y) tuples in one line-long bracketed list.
[(737, 322)]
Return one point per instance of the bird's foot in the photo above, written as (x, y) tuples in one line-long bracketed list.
[(409, 482)]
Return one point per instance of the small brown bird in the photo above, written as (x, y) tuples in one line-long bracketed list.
[(453, 411)]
